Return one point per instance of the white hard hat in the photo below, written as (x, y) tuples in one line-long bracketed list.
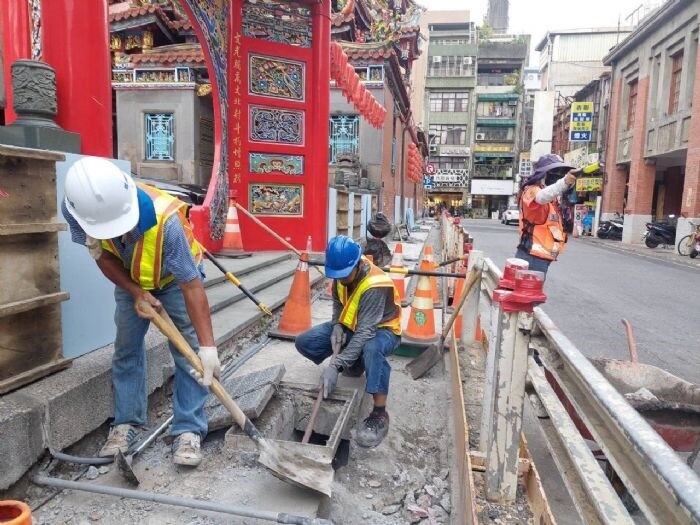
[(101, 197)]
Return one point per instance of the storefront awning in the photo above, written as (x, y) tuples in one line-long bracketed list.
[(498, 96), (495, 122), (492, 154)]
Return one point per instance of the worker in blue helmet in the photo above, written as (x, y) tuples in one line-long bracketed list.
[(364, 330)]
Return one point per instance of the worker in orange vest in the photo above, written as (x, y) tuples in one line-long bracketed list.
[(542, 233), (142, 242), (364, 330)]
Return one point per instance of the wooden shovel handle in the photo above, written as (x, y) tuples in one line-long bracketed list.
[(165, 324)]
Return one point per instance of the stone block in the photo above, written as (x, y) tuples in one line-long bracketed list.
[(22, 443), (251, 392)]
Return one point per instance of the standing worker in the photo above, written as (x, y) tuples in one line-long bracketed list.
[(541, 231), (364, 330), (142, 242)]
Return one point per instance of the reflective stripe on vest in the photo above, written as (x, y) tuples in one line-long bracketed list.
[(375, 278), (548, 238), (147, 259)]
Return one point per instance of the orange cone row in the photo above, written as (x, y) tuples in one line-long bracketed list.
[(421, 322)]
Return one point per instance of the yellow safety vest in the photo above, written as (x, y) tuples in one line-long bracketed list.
[(147, 259), (375, 278)]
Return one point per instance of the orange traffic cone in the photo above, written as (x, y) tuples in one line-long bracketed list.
[(399, 280), (421, 322), (15, 513), (296, 317), (427, 264), (233, 243), (459, 287)]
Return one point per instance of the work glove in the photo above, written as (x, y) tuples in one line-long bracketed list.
[(211, 366), (94, 247), (337, 338), (329, 378)]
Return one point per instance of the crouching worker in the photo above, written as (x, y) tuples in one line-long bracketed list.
[(142, 242), (365, 329)]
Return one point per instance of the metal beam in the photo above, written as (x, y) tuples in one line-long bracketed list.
[(664, 487)]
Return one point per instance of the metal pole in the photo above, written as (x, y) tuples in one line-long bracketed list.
[(179, 501), (503, 445)]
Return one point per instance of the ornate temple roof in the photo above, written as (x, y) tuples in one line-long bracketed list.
[(368, 50), (170, 56)]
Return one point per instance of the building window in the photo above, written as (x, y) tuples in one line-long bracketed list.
[(675, 92), (451, 66), (159, 136), (448, 163), (631, 103), (344, 136), (494, 134), (447, 134), (453, 102), (507, 109), (370, 73)]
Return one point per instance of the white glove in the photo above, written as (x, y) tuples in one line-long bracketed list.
[(209, 356), (94, 246)]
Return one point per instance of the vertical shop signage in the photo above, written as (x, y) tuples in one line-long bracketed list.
[(581, 125), (236, 155)]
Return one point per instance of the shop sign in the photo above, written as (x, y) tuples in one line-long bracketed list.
[(492, 148), (454, 151), (586, 184), (525, 166), (492, 187), (581, 124)]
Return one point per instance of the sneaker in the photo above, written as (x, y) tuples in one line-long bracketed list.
[(119, 439), (374, 430), (356, 370), (187, 449)]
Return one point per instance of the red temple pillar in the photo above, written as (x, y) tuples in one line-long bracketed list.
[(76, 45), (16, 43)]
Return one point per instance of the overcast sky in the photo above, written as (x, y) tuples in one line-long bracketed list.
[(536, 17)]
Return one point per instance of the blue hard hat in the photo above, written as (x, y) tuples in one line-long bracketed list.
[(342, 255)]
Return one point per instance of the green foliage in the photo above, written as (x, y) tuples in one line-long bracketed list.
[(485, 33)]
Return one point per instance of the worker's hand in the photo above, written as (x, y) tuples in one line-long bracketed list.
[(329, 378), (570, 178), (142, 296), (337, 338), (94, 247), (211, 366)]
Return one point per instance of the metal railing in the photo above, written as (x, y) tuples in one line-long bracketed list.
[(666, 490)]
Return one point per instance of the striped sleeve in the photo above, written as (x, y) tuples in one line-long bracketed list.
[(177, 257), (77, 234)]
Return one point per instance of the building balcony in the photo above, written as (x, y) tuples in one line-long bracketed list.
[(496, 121)]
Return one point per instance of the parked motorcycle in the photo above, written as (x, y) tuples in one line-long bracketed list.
[(662, 232), (611, 229)]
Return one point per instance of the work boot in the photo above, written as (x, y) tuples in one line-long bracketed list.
[(119, 439), (374, 428), (187, 449), (356, 370)]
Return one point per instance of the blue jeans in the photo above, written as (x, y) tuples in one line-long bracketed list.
[(315, 344), (129, 365), (536, 264)]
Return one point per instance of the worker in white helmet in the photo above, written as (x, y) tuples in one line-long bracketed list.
[(142, 242)]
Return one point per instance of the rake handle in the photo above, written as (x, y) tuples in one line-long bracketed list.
[(237, 283), (167, 327)]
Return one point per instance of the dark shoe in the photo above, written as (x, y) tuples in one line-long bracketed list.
[(374, 430), (356, 370)]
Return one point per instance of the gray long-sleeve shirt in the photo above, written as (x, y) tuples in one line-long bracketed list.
[(376, 306)]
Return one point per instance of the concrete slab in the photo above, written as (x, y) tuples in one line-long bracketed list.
[(250, 391), (22, 443)]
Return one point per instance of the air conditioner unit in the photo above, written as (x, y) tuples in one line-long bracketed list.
[(467, 61), (433, 148), (437, 59), (480, 136)]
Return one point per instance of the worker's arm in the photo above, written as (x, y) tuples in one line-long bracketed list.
[(551, 192), (114, 270), (369, 315)]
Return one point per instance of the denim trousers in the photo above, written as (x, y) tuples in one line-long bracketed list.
[(315, 344), (129, 365), (536, 264)]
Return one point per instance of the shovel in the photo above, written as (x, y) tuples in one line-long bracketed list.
[(304, 465), (124, 462), (431, 355)]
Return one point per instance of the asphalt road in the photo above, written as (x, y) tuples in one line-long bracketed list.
[(591, 288)]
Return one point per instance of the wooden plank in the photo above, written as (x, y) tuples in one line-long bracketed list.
[(478, 460), (539, 505), (36, 227), (32, 375), (35, 302), (28, 266), (31, 153)]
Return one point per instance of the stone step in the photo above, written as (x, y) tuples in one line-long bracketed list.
[(242, 266)]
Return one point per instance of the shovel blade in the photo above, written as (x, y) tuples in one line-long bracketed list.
[(304, 465), (124, 464), (424, 362)]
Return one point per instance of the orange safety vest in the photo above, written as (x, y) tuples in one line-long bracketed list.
[(375, 278), (541, 239), (147, 258)]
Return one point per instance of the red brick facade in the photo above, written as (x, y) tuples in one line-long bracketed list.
[(641, 184), (690, 206), (615, 178)]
